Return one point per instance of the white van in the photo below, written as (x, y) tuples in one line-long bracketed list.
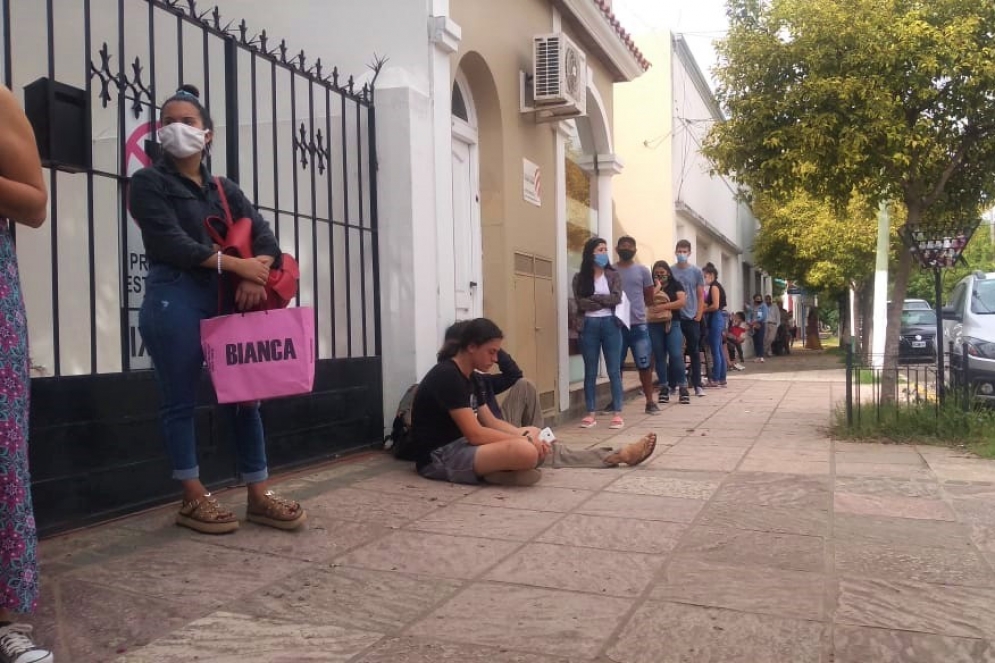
[(970, 318)]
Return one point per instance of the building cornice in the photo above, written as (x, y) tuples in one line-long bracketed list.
[(686, 57), (622, 57), (601, 164), (685, 210), (444, 33)]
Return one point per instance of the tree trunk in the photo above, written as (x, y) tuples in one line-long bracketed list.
[(889, 378), (843, 304), (866, 301)]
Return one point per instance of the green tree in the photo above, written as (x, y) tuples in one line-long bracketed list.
[(814, 244), (891, 98)]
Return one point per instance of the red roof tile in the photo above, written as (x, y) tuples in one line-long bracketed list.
[(622, 33)]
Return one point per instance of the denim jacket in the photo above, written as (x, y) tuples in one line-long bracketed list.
[(596, 302), (170, 210)]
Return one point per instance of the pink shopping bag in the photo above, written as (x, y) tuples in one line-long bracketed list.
[(260, 355)]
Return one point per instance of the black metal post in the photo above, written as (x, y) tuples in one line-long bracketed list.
[(232, 119), (938, 305)]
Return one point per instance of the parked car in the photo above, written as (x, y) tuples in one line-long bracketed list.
[(970, 319), (917, 338), (916, 305)]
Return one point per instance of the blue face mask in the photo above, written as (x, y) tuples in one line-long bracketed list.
[(682, 257), (601, 260)]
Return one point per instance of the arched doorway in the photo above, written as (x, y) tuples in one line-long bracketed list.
[(467, 245)]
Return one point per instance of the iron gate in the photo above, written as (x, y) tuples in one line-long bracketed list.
[(300, 140)]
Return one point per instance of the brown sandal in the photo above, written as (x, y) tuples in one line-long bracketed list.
[(276, 511), (207, 516)]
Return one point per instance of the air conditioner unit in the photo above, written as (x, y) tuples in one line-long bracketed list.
[(559, 80)]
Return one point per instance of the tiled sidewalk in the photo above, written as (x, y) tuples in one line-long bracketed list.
[(749, 537)]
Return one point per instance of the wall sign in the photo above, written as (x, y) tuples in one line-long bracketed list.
[(531, 183)]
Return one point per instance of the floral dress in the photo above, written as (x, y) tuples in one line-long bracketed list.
[(18, 538)]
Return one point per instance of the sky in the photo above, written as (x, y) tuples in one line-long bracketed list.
[(700, 21)]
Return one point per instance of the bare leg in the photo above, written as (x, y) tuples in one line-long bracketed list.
[(646, 378), (515, 453)]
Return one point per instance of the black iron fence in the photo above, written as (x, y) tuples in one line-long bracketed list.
[(297, 136), (908, 386)]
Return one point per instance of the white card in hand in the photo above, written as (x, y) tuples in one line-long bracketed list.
[(546, 435)]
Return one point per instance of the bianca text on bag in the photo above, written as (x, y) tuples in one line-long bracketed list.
[(274, 349)]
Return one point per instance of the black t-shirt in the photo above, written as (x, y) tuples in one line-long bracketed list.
[(443, 388), (672, 287)]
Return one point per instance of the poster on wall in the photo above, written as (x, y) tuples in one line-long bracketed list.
[(532, 183), (137, 132)]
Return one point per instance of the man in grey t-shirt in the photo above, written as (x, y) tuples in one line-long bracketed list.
[(637, 283), (693, 281)]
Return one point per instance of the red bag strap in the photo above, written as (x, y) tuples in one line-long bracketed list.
[(224, 201)]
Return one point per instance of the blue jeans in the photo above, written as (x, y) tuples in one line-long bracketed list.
[(720, 364), (175, 303), (601, 335), (758, 340), (636, 337), (692, 334), (668, 354)]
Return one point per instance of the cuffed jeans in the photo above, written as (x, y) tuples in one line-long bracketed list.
[(175, 303), (601, 335), (668, 354), (692, 335), (716, 325)]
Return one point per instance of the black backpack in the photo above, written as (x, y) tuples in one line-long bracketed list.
[(399, 440)]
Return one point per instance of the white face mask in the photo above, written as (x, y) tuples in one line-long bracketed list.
[(181, 140)]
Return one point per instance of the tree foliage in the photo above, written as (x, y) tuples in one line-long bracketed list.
[(812, 243), (894, 99)]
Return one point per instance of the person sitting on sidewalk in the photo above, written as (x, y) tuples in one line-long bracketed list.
[(457, 438), (521, 406)]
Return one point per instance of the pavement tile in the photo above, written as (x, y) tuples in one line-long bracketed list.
[(368, 506), (722, 545), (902, 531), (429, 554), (772, 489), (883, 470), (888, 487), (486, 521), (854, 644), (789, 455), (983, 536), (609, 573), (421, 650), (669, 483), (897, 507), (910, 605), (608, 533), (880, 458), (674, 633), (226, 637), (909, 562), (981, 490), (536, 498), (409, 483), (796, 594), (642, 507), (190, 572), (540, 621), (83, 621), (784, 466), (691, 447), (975, 511), (322, 538), (964, 470), (809, 521), (350, 598), (581, 478), (716, 463)]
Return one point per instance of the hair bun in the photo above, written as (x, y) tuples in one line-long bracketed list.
[(192, 90)]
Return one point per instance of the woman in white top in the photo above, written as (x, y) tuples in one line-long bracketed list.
[(597, 290)]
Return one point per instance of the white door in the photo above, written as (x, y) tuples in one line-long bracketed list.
[(466, 232)]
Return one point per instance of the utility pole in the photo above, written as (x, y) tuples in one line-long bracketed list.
[(880, 328)]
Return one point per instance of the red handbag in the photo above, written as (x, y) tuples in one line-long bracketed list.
[(281, 286)]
